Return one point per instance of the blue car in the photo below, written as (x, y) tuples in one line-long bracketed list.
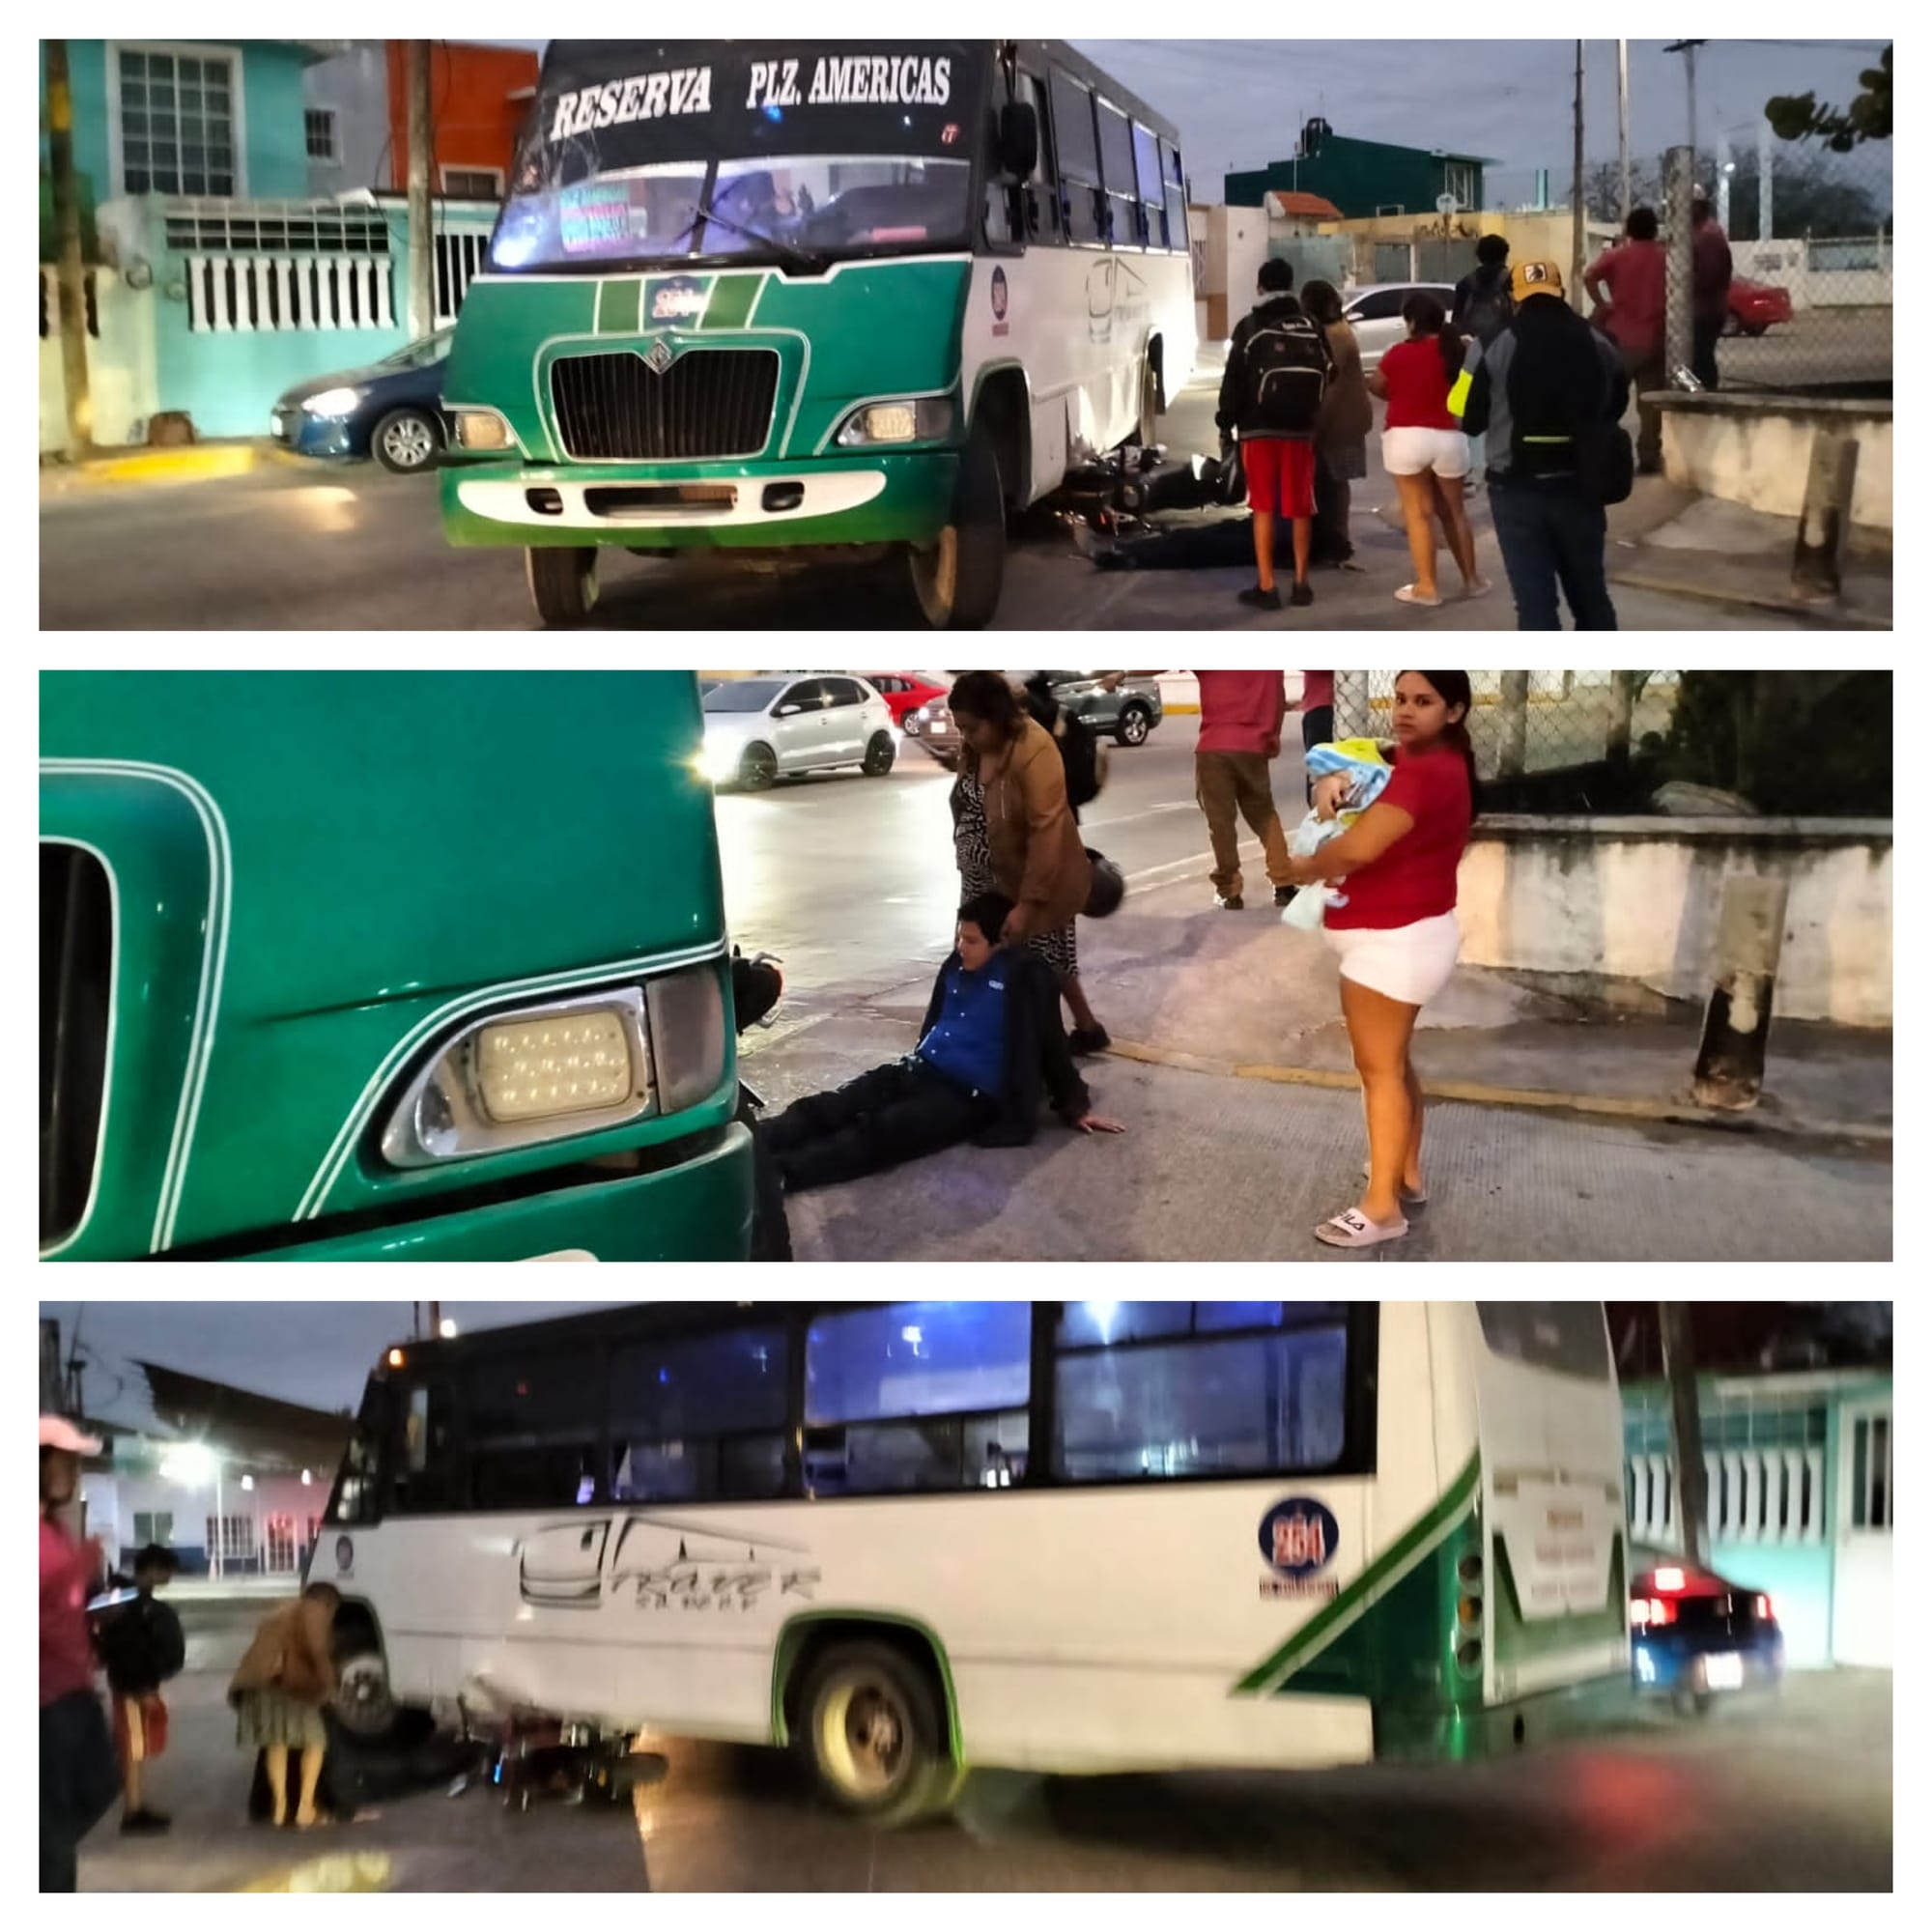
[(391, 411), (1695, 1636)]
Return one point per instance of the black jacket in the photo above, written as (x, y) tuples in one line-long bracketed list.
[(1547, 377), (141, 1646), (1038, 1058), (1249, 405)]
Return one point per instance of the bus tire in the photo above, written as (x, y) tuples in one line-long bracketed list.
[(956, 581), (366, 1714), (563, 585), (1146, 430), (873, 1735)]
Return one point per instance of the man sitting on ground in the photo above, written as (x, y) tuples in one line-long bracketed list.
[(992, 1040)]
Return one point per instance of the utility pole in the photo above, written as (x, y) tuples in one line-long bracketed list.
[(1624, 127), (1689, 49), (1763, 179), (435, 1322), (421, 163), (1577, 190), (70, 271), (1680, 1369)]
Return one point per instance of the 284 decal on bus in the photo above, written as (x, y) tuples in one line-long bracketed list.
[(1299, 1538)]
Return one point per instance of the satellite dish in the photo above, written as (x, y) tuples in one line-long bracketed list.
[(1446, 204)]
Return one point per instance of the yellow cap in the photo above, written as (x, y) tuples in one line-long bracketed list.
[(1536, 279)]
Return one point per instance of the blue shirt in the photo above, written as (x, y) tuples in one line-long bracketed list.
[(968, 1041)]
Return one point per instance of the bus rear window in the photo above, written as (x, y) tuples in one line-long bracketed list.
[(1566, 1337)]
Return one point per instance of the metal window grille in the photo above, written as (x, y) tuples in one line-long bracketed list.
[(319, 134), (459, 261), (281, 1545), (1764, 1469), (1871, 1473), (51, 303), (177, 122), (232, 1537), (264, 293), (275, 228)]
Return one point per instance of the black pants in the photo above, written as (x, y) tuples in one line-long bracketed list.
[(1332, 542), (1227, 543), (1552, 535), (79, 1783), (884, 1118), (1704, 351)]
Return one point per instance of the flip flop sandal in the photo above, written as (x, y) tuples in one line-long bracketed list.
[(1480, 588), (1352, 1229), (1410, 1197), (1409, 594)]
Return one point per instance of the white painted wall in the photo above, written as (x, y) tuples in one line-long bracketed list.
[(1762, 458), (123, 385), (1638, 899)]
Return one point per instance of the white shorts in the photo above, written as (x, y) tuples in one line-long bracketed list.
[(1417, 452), (1409, 963)]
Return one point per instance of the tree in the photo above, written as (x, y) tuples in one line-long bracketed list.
[(1789, 741), (1797, 117), (1806, 199)]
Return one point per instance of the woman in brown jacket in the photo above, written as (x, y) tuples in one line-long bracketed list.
[(1012, 771), (1341, 430), (278, 1692)]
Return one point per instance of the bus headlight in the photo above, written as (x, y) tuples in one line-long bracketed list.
[(923, 420), (521, 1078), (479, 429)]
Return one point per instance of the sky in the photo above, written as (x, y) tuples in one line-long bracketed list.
[(315, 1352), (1240, 103)]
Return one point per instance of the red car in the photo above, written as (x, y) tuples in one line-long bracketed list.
[(1755, 306), (903, 691)]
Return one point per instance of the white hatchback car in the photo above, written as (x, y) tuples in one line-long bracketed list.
[(1375, 314), (760, 730)]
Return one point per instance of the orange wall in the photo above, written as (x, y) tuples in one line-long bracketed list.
[(473, 122)]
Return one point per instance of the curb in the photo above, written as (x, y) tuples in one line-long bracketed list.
[(1474, 1095), (170, 465), (1827, 616)]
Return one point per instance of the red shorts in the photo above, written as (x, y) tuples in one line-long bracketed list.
[(140, 1727), (1281, 475)]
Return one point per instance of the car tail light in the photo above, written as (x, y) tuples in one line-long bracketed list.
[(1669, 1580), (1762, 1605), (1652, 1612)]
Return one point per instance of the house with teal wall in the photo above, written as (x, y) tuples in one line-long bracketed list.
[(221, 281), (1363, 178), (1799, 1472)]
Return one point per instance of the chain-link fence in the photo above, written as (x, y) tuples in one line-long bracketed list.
[(1804, 743)]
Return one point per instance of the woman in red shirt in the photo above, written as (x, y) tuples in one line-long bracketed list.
[(1396, 934), (1424, 447)]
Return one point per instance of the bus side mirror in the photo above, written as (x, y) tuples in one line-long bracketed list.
[(1019, 140)]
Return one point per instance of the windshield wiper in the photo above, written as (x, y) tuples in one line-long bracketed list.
[(812, 263)]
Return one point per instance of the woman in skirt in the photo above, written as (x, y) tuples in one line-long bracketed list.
[(279, 1692)]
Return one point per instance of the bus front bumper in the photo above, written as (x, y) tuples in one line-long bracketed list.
[(868, 499), (699, 1211)]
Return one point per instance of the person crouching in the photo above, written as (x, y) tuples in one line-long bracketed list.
[(991, 1042)]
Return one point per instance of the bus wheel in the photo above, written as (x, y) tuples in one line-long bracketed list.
[(1148, 431), (958, 579), (563, 585), (366, 1711), (873, 1735)]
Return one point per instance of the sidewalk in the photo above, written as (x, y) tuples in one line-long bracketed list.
[(1555, 1137), (188, 463)]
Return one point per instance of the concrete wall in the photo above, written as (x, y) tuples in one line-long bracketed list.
[(1787, 264), (356, 85), (122, 375), (1636, 900), (1756, 450), (113, 1500)]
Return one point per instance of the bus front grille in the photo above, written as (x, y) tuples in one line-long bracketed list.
[(708, 402), (76, 976)]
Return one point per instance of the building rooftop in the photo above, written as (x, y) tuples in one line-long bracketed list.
[(1290, 203)]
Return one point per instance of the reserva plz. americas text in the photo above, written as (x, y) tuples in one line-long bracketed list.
[(854, 80)]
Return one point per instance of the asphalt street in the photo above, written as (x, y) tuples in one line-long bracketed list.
[(298, 545), (1791, 1793)]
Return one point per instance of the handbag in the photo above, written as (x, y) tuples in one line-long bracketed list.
[(1106, 888)]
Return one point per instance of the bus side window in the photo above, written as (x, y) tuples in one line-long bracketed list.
[(536, 1430), (1175, 181), (1043, 189), (1147, 181), (1076, 151), (1116, 168), (423, 1472)]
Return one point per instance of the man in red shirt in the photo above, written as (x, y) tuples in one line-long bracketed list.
[(1628, 282), (78, 1778), (1241, 713), (1710, 289)]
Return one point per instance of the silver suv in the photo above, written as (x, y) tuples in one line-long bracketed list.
[(1110, 703)]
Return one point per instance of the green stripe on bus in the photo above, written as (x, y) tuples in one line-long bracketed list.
[(732, 300), (619, 311), (1374, 1583)]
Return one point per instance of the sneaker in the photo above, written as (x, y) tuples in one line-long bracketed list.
[(1302, 596), (1262, 599), (1230, 903), (1086, 1042), (1284, 896)]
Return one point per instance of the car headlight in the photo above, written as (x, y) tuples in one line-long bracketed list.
[(567, 1067), (333, 402), (479, 429), (925, 419), (717, 760)]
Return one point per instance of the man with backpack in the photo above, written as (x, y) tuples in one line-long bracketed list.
[(142, 1647), (1279, 363), (1480, 312), (1550, 392)]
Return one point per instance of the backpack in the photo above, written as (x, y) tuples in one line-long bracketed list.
[(1080, 755), (1489, 308), (1287, 363), (142, 1646)]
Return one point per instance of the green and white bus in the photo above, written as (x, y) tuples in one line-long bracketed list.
[(826, 298), (1083, 1536)]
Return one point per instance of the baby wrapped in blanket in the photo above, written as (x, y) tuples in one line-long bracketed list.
[(1360, 760)]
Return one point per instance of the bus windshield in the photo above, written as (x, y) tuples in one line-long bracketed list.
[(638, 155)]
